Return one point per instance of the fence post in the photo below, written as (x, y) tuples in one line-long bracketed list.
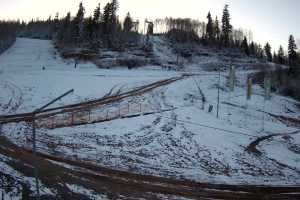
[(52, 122), (35, 170), (89, 115), (140, 107), (219, 82), (72, 119)]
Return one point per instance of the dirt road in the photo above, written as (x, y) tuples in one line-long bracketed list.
[(56, 172)]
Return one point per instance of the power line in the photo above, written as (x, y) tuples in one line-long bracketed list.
[(225, 130), (211, 127)]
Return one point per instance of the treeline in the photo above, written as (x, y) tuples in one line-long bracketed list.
[(213, 32), (223, 35), (103, 28), (8, 31), (38, 29), (288, 80)]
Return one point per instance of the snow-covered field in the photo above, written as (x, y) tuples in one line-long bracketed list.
[(187, 142)]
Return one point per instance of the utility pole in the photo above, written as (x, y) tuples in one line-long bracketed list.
[(34, 154), (34, 138), (219, 82), (267, 95), (146, 29)]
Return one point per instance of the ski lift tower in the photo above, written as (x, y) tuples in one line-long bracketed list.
[(136, 26), (148, 29)]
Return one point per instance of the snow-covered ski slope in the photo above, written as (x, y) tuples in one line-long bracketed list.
[(23, 77), (187, 142)]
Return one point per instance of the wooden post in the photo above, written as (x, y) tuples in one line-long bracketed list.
[(72, 118), (218, 105), (249, 88), (52, 122), (141, 109), (35, 157)]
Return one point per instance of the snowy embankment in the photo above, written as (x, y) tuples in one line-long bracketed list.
[(187, 142)]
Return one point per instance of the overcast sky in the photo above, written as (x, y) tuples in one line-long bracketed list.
[(270, 20)]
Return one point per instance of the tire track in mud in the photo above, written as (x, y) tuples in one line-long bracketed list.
[(56, 170), (252, 149), (172, 152), (188, 153)]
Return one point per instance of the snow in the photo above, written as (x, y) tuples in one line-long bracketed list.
[(20, 178), (89, 193), (187, 142), (35, 87)]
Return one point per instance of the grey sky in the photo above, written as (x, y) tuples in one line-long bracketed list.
[(270, 20)]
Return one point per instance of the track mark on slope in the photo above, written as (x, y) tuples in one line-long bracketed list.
[(252, 147), (56, 172)]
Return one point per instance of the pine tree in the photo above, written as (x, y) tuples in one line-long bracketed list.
[(90, 27), (260, 52), (97, 14), (226, 26), (106, 18), (110, 20), (292, 53), (280, 55), (114, 9), (275, 57), (78, 23), (245, 46), (64, 31), (115, 6), (252, 49), (268, 51), (128, 23), (56, 22), (217, 29), (67, 20), (209, 28)]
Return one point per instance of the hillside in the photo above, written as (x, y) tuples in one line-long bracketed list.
[(159, 129), (168, 55)]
